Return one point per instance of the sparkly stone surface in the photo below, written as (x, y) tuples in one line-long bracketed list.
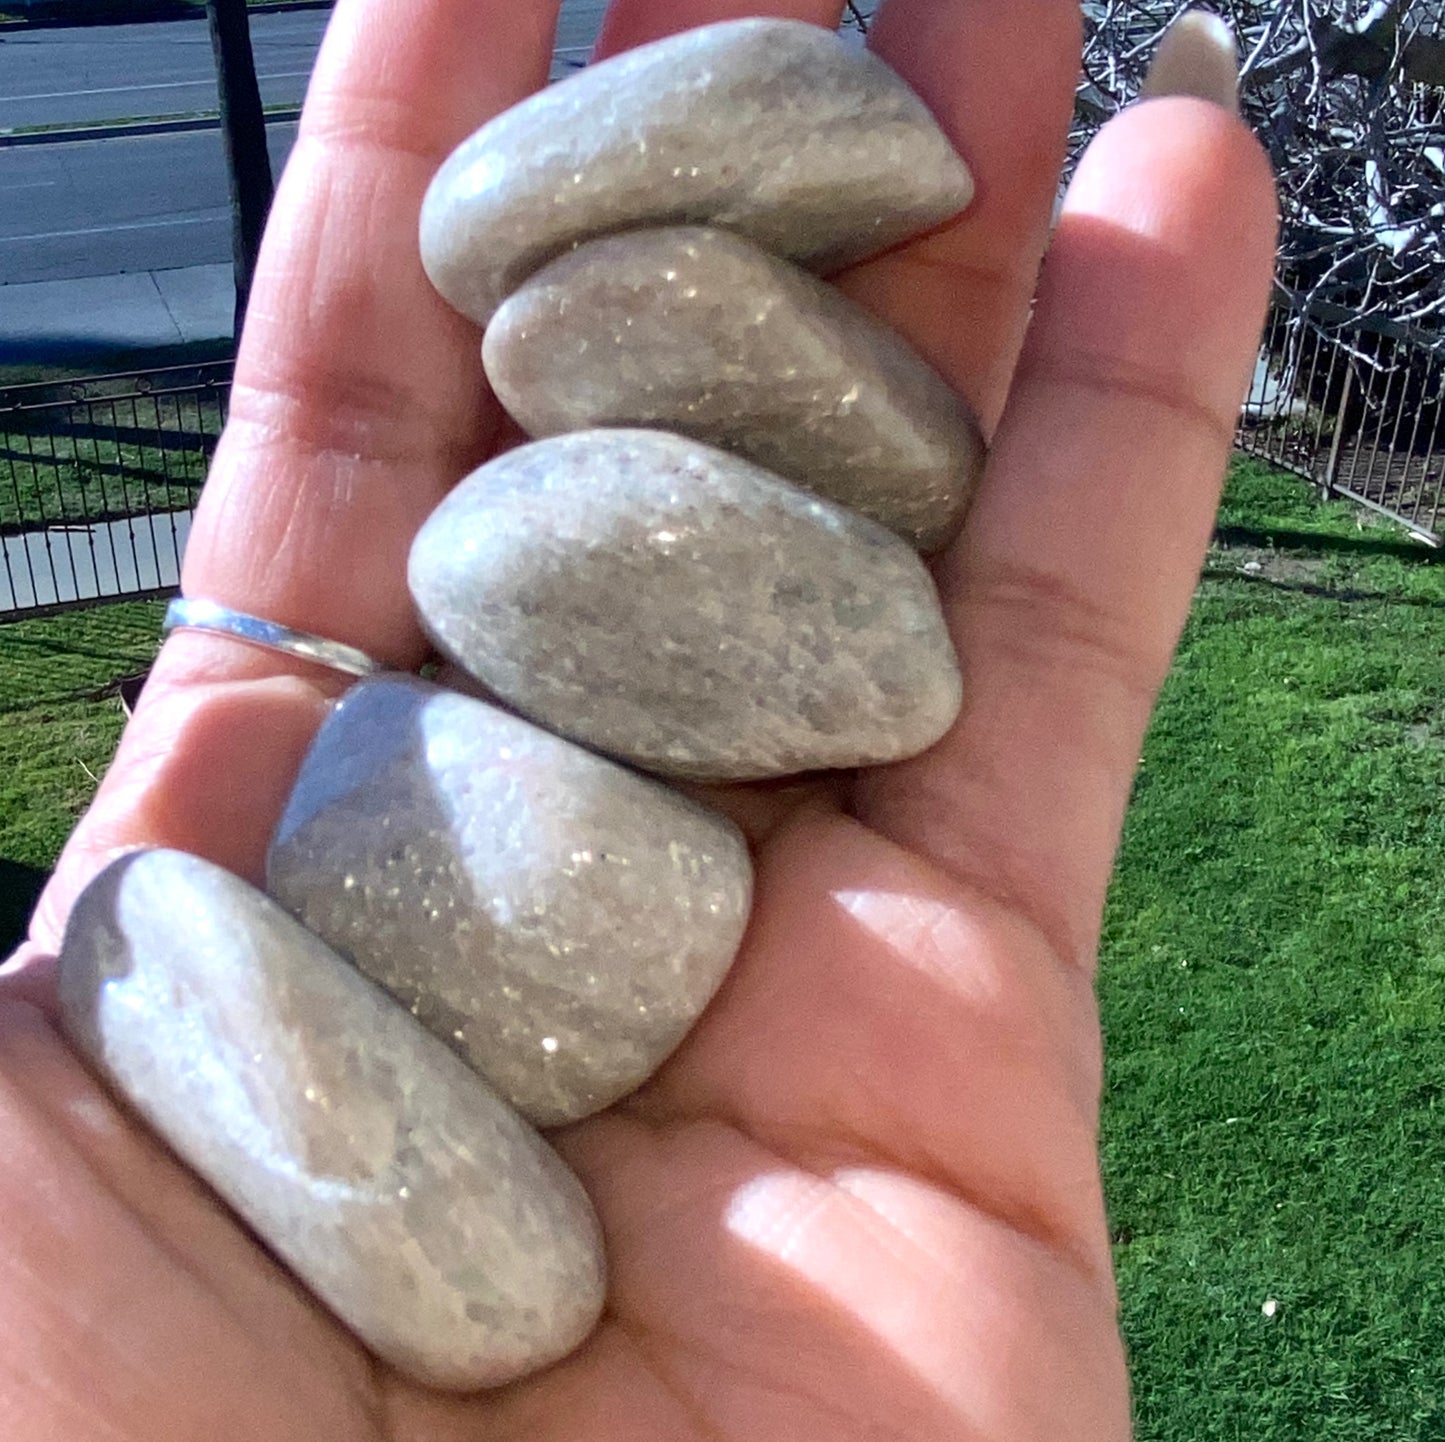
[(698, 331), (559, 920), (422, 1210), (681, 608), (772, 128)]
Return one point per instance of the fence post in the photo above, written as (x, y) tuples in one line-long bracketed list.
[(243, 129)]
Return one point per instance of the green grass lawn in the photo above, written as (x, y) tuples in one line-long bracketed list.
[(60, 716), (1273, 979), (1273, 992)]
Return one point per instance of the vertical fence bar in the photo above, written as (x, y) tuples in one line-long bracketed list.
[(1398, 460), (1429, 467), (1321, 411), (46, 529), (103, 527), (21, 548), (187, 494), (1383, 411), (1365, 386), (1270, 408), (1332, 466)]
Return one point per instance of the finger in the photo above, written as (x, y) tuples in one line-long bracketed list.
[(635, 22), (358, 398), (357, 402), (1073, 578), (1000, 80)]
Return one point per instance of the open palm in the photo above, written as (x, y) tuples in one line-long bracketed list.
[(863, 1200)]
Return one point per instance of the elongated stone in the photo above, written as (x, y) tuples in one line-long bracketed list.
[(422, 1210), (772, 128), (681, 608), (695, 330), (557, 919)]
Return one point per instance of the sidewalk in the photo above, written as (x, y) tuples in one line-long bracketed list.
[(96, 317)]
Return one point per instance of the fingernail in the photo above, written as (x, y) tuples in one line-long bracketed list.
[(1196, 57)]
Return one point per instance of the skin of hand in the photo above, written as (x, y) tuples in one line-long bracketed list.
[(863, 1201)]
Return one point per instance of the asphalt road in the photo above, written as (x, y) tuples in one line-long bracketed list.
[(155, 202), (126, 72), (103, 207)]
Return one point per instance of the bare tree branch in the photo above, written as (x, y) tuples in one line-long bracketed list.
[(1348, 96)]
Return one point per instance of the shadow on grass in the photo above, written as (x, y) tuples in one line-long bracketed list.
[(1323, 593), (50, 646), (139, 435), (124, 688), (20, 888), (1283, 539), (56, 359)]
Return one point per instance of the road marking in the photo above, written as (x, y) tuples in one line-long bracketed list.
[(136, 89), (165, 224)]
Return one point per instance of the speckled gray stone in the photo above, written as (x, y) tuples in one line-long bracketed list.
[(422, 1210), (698, 331), (680, 608), (557, 919), (772, 128)]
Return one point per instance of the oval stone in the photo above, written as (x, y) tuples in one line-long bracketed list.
[(680, 608), (424, 1212), (695, 330), (773, 128), (556, 919)]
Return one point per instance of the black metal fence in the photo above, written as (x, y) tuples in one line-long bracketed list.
[(98, 479), (1355, 404)]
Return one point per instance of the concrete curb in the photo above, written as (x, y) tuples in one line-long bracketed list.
[(110, 131)]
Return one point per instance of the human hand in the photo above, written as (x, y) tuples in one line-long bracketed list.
[(863, 1199)]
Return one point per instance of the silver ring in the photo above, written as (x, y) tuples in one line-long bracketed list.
[(182, 614)]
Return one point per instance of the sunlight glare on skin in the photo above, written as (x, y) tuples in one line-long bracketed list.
[(886, 1250), (936, 937), (1004, 1336)]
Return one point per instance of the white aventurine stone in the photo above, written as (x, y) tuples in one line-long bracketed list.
[(685, 610), (422, 1210), (695, 330), (555, 918), (772, 128)]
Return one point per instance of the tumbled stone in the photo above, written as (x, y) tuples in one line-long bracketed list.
[(429, 1217), (773, 128), (683, 609), (557, 919), (695, 330)]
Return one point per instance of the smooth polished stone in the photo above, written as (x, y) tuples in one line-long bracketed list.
[(557, 919), (682, 609), (428, 1216), (698, 331), (773, 128)]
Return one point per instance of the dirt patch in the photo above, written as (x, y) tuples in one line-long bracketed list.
[(1261, 563)]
